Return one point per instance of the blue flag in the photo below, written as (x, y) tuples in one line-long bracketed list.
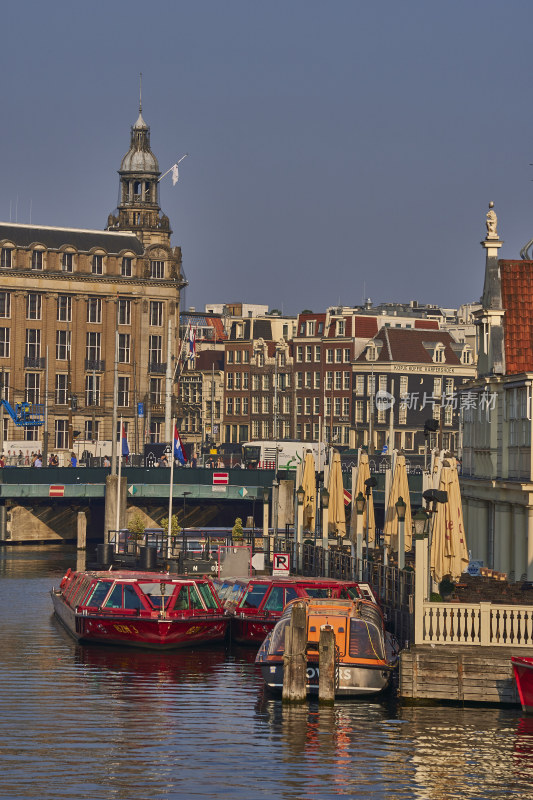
[(177, 448), (124, 440)]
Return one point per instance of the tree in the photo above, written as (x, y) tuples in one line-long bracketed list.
[(175, 529), (136, 525), (237, 531)]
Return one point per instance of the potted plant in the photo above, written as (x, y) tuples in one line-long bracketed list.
[(446, 588), (237, 532)]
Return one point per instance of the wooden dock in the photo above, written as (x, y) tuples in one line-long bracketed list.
[(463, 674)]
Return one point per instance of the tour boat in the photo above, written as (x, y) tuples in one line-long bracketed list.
[(256, 605), (140, 609), (366, 655), (523, 672)]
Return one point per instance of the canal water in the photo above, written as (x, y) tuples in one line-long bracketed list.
[(94, 722)]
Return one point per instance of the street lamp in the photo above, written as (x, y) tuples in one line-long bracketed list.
[(401, 508), (183, 538), (298, 543), (360, 504), (300, 495), (430, 426), (370, 483), (420, 521)]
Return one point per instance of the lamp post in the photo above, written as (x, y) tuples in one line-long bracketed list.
[(266, 537), (360, 504), (420, 529), (298, 544), (183, 537), (401, 508), (430, 426), (370, 483), (324, 501)]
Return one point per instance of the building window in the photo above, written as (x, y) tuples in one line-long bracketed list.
[(308, 353), (238, 356), (403, 385), (124, 348), (345, 406), (346, 381), (67, 262), (338, 381), (255, 404), (408, 440), (123, 390), (5, 305), (265, 382), (439, 354), (62, 345), (316, 405), (359, 411), (37, 259), (255, 383), (308, 380), (299, 353), (311, 327), (92, 390), (448, 415), (237, 406), (229, 405), (6, 260), (154, 350), (94, 310), (466, 356), (64, 308), (299, 405), (93, 346), (33, 343), (337, 411), (33, 387), (156, 313), (61, 390), (229, 380), (359, 384), (340, 327), (61, 434), (98, 265), (402, 414), (437, 387), (91, 430), (157, 269), (338, 355), (5, 334), (33, 306), (265, 405), (124, 311), (255, 429), (329, 380), (308, 406), (347, 354), (155, 391), (155, 431), (125, 269), (317, 352), (329, 355)]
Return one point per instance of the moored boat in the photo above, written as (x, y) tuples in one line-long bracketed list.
[(523, 672), (366, 655), (256, 605), (140, 609)]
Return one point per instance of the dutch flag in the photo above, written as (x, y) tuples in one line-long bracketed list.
[(124, 441), (177, 447)]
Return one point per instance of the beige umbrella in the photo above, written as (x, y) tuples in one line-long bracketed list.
[(363, 473), (337, 517), (449, 553), (399, 488), (309, 487)]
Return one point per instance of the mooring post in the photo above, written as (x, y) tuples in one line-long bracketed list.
[(326, 665), (294, 657), (82, 530)]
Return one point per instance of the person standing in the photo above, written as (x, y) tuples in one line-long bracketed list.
[(73, 460)]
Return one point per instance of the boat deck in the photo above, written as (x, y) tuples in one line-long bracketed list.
[(460, 673)]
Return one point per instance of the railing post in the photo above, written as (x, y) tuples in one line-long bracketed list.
[(484, 623), (421, 558)]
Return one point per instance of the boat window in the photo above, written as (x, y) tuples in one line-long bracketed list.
[(274, 601), (182, 600), (254, 595), (351, 593), (207, 595), (366, 640), (316, 591), (153, 592), (99, 594), (115, 598), (131, 598), (277, 643), (290, 594), (236, 593), (196, 603), (73, 586), (81, 591)]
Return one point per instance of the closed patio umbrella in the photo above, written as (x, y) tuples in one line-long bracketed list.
[(449, 553), (363, 473), (399, 488), (309, 487), (337, 517)]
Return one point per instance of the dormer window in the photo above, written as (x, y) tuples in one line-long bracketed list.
[(157, 269), (37, 259), (311, 327), (340, 327), (6, 257), (320, 328), (67, 262), (438, 356), (239, 334), (126, 267), (98, 265), (466, 356), (371, 352)]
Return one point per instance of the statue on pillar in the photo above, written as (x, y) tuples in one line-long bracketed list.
[(492, 222)]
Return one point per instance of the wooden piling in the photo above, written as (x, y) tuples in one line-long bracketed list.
[(294, 657), (326, 665)]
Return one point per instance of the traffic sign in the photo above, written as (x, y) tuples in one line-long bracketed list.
[(243, 492), (132, 490), (56, 491), (140, 409), (281, 564)]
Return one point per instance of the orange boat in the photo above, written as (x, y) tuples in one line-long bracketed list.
[(140, 609), (367, 655)]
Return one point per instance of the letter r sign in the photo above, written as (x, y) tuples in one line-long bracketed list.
[(281, 564)]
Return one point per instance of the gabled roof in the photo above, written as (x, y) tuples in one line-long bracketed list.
[(517, 300), (408, 345), (83, 240)]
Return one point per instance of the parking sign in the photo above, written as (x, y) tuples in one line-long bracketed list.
[(281, 564)]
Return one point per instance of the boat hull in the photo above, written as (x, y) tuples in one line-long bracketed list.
[(251, 630), (135, 631), (523, 672), (354, 681)]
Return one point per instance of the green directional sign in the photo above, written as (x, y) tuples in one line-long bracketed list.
[(243, 492), (132, 490)]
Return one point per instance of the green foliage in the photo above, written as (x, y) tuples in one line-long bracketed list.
[(237, 531), (175, 529), (136, 525)]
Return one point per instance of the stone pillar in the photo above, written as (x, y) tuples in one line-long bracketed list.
[(82, 530), (326, 665), (110, 515), (421, 586), (529, 556)]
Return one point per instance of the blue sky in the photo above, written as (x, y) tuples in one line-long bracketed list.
[(337, 150)]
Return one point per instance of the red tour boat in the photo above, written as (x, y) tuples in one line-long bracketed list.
[(140, 609), (523, 672), (257, 604)]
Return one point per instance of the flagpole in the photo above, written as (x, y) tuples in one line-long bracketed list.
[(171, 486), (119, 477), (172, 167)]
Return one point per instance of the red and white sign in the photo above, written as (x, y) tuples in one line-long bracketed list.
[(56, 491), (281, 564), (220, 478), (347, 497)]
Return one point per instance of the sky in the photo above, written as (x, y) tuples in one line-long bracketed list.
[(337, 151)]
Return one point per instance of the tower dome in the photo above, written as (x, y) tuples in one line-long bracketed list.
[(139, 157)]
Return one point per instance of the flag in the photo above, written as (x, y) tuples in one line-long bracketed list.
[(177, 447), (175, 174), (124, 440), (192, 342), (347, 497)]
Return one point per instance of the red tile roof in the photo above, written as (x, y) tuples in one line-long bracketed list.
[(406, 345), (517, 300), (365, 327), (428, 324)]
